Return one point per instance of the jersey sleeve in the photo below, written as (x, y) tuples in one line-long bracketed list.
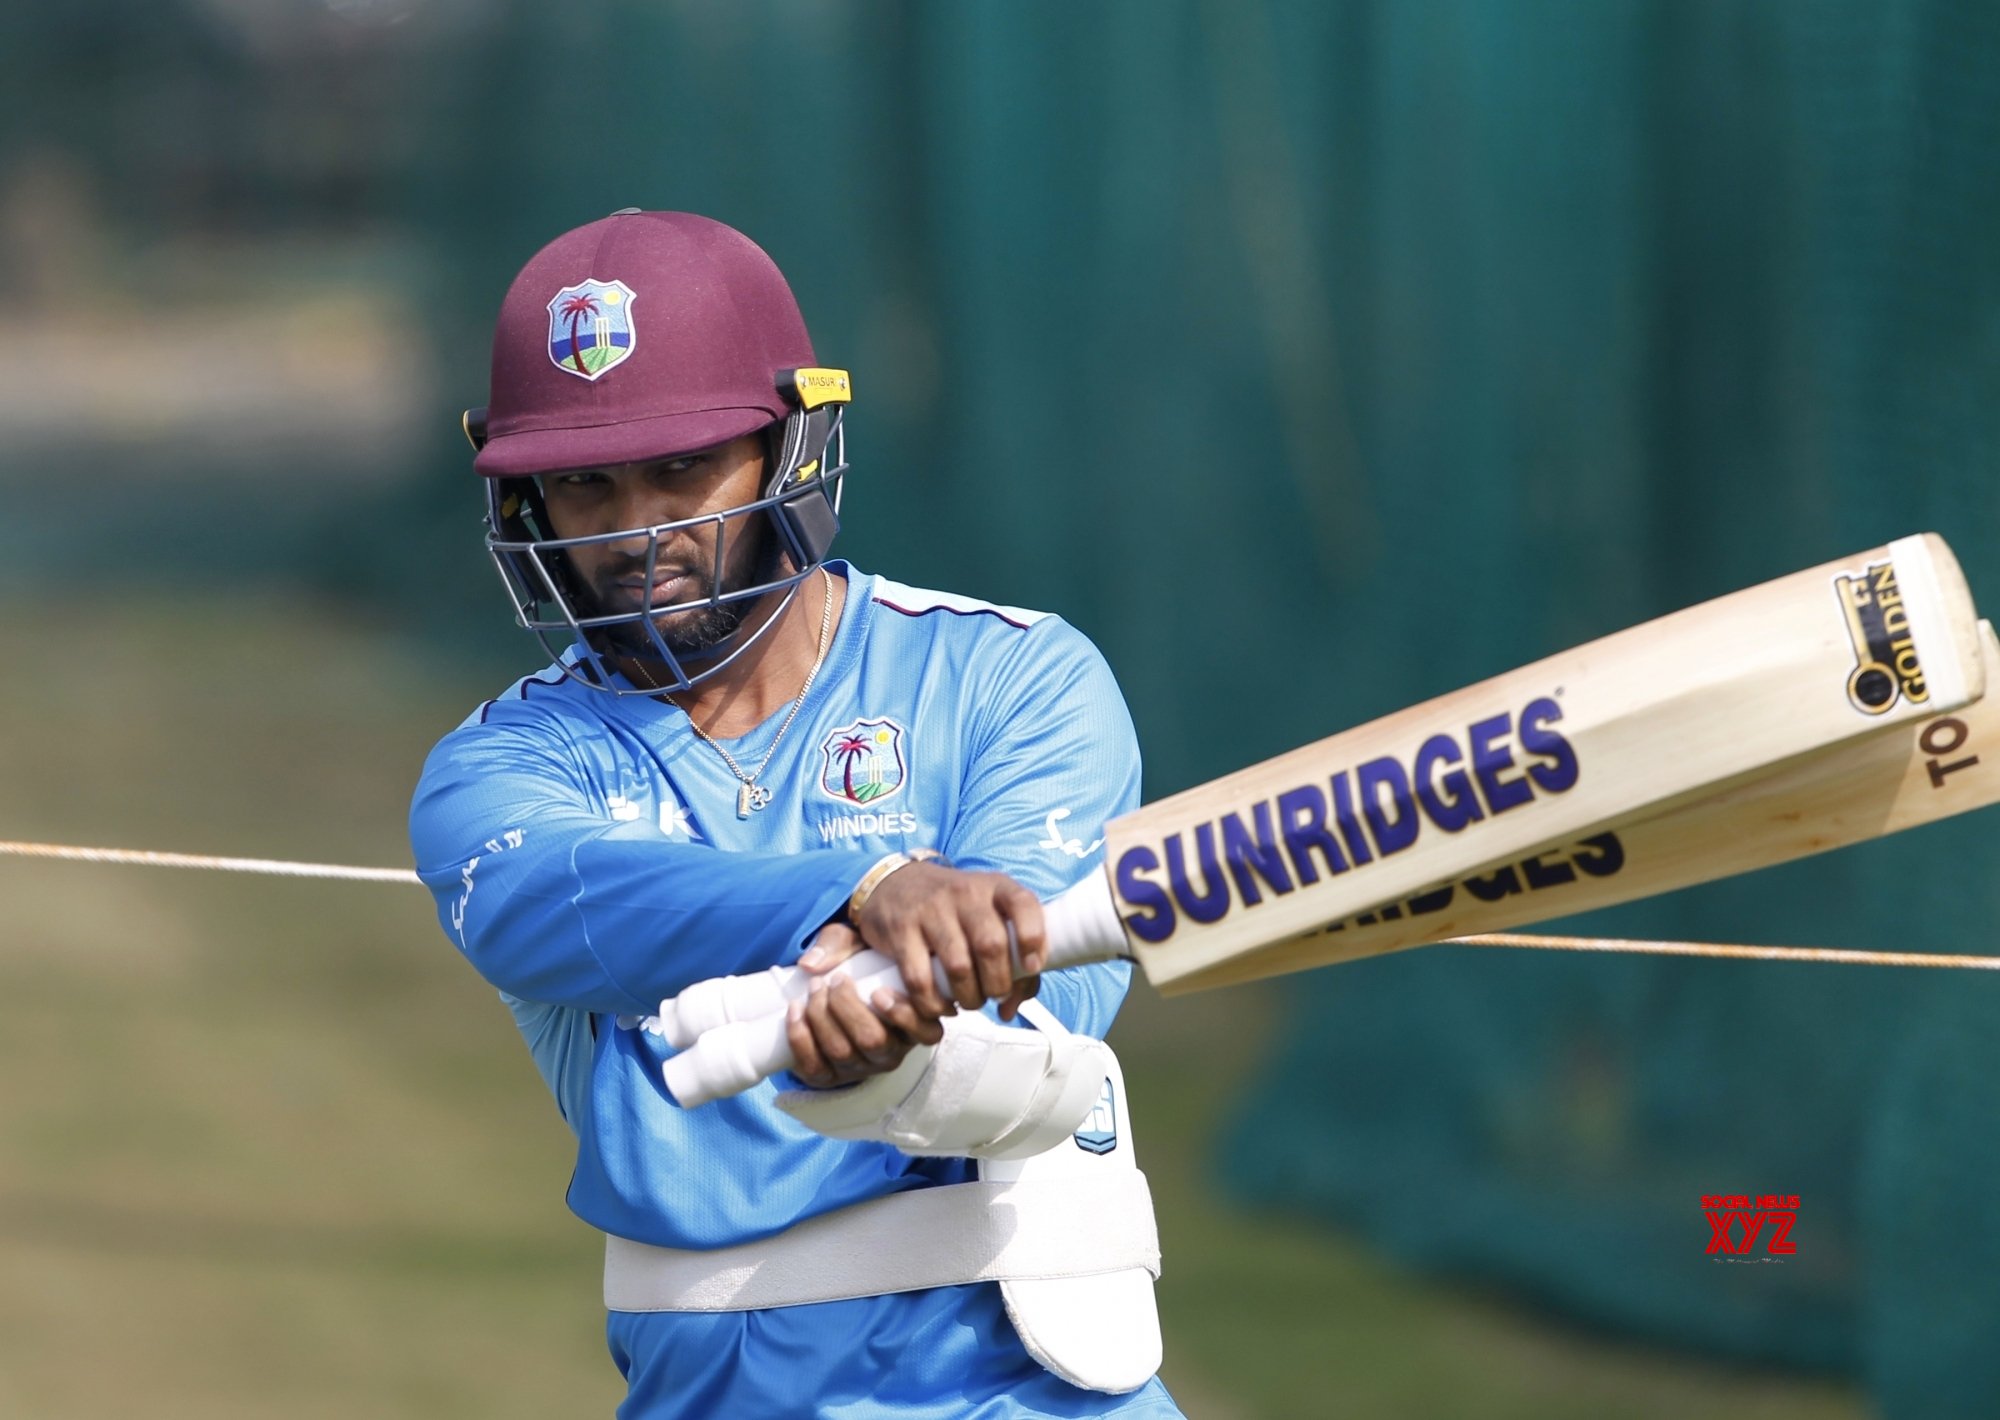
[(1055, 758), (555, 904)]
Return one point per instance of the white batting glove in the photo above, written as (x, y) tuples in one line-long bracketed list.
[(987, 1091)]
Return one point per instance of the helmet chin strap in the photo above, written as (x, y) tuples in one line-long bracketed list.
[(770, 562), (597, 666)]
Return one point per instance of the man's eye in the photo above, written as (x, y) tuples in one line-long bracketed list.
[(578, 480), (682, 465)]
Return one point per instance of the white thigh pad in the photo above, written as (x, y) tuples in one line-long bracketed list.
[(986, 1091)]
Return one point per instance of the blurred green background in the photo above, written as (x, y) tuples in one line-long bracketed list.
[(1312, 357)]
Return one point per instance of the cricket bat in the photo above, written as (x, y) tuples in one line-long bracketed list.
[(1922, 771), (1613, 732)]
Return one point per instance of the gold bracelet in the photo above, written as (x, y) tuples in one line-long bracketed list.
[(884, 866)]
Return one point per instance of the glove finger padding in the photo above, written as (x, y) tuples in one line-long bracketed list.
[(986, 1091), (857, 1111)]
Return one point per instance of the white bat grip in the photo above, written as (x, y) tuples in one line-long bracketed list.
[(719, 1000), (1083, 925), (739, 1036)]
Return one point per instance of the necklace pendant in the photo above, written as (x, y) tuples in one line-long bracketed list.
[(750, 797)]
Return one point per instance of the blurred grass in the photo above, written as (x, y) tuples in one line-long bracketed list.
[(267, 1147)]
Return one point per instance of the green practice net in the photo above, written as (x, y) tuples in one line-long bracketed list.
[(1787, 349)]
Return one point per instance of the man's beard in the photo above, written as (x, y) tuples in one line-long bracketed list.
[(690, 634)]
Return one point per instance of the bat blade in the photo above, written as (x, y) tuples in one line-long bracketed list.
[(1915, 773), (1626, 727)]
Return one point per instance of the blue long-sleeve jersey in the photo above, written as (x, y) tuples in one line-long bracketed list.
[(587, 858)]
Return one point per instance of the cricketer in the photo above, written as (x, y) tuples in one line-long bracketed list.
[(744, 754)]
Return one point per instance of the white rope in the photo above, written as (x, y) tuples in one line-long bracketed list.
[(197, 860), (1835, 955), (1830, 955)]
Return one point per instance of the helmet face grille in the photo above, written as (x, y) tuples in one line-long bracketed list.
[(627, 652)]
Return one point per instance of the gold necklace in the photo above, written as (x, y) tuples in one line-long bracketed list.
[(750, 795)]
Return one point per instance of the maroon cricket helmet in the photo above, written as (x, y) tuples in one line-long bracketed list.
[(638, 336), (641, 337)]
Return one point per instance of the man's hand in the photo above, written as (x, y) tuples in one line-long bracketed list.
[(836, 1039), (924, 913)]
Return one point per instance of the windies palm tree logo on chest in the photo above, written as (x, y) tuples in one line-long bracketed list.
[(863, 762), (590, 327)]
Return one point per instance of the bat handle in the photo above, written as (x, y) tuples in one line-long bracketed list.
[(1083, 925), (732, 1029), (707, 1005)]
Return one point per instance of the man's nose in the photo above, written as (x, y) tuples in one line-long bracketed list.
[(640, 506)]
